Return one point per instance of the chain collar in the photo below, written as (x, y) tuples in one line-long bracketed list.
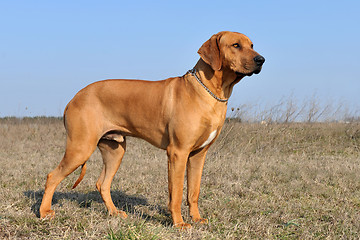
[(193, 72)]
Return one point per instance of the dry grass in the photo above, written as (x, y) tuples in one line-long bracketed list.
[(280, 181)]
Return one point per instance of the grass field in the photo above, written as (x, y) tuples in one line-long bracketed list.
[(276, 181)]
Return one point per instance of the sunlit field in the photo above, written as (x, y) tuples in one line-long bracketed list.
[(266, 180)]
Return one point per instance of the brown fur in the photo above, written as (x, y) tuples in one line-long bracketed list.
[(176, 114)]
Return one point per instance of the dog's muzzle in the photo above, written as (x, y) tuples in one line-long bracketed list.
[(259, 61)]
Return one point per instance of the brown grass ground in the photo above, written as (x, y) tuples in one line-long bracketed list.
[(281, 181)]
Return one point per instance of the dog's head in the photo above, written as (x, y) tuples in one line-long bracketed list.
[(233, 51)]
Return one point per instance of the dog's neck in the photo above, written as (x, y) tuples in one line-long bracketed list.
[(221, 82)]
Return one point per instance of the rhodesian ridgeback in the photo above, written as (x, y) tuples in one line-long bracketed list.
[(182, 115)]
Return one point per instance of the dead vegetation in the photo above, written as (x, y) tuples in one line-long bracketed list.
[(260, 181), (289, 110)]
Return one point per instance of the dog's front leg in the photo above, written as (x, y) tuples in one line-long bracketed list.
[(194, 171), (177, 160)]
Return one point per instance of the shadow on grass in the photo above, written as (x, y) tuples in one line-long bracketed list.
[(121, 200)]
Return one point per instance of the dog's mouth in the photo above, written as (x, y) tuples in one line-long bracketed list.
[(256, 71)]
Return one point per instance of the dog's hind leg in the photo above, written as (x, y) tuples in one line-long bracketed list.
[(82, 137), (100, 179), (112, 153), (77, 153)]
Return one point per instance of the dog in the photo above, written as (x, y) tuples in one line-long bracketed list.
[(182, 115)]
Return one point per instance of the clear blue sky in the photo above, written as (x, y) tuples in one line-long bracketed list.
[(49, 50)]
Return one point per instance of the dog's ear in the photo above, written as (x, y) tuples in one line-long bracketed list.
[(210, 52)]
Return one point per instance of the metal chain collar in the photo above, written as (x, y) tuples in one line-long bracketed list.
[(193, 72)]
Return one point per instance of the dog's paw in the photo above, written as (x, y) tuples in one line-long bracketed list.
[(200, 220), (47, 215), (182, 226), (118, 213)]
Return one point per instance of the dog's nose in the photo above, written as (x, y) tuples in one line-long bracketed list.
[(259, 60)]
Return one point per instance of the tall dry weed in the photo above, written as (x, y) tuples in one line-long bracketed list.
[(289, 110)]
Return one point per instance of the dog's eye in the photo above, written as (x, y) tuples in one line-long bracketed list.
[(236, 45), (252, 46)]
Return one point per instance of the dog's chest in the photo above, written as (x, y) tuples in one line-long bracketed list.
[(214, 125), (211, 137)]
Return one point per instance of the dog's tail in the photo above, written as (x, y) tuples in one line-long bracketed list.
[(82, 174)]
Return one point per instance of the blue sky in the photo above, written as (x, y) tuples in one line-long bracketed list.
[(49, 50)]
